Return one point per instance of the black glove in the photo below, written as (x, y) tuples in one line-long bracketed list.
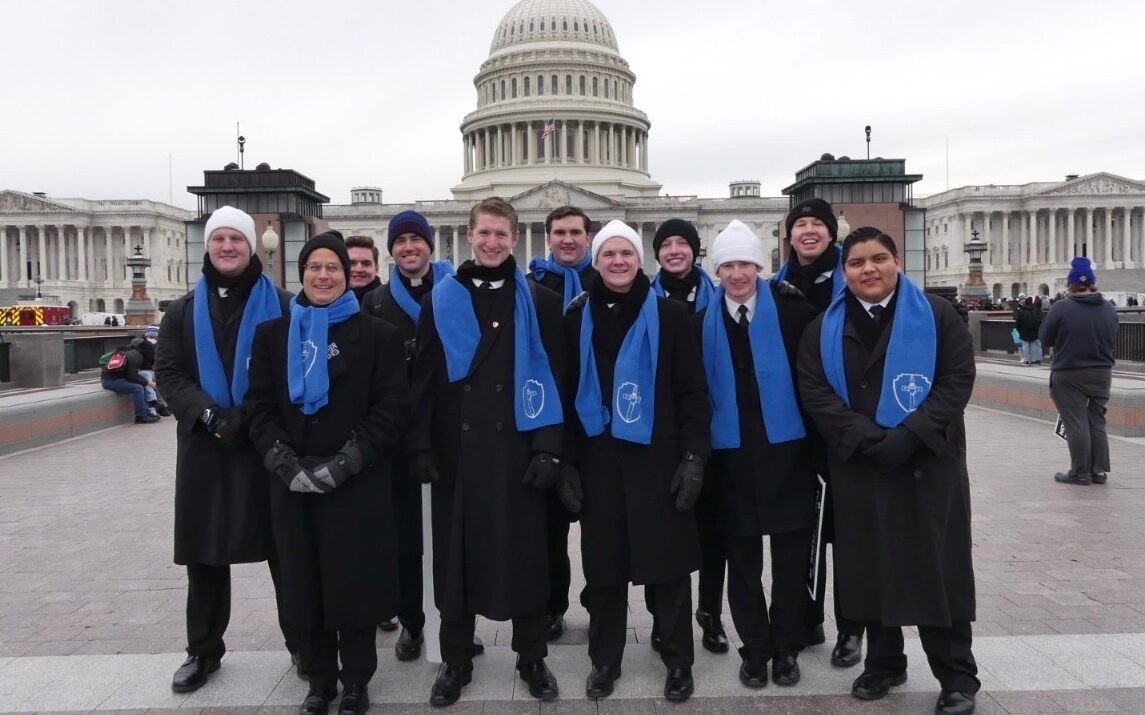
[(281, 460), (543, 472), (422, 468), (687, 482), (569, 489), (229, 426), (895, 449), (336, 470), (787, 290)]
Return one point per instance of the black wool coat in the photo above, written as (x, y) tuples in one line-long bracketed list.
[(763, 488), (489, 530), (903, 536), (337, 551), (556, 281), (630, 528), (221, 498)]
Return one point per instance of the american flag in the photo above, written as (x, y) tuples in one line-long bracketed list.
[(549, 128)]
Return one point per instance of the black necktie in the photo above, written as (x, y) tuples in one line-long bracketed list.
[(487, 285), (876, 312), (742, 320)]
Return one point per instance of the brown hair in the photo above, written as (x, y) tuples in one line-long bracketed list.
[(564, 212), (494, 206), (363, 242), (1082, 287)]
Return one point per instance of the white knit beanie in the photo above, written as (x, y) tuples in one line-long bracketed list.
[(737, 242), (230, 217), (617, 229)]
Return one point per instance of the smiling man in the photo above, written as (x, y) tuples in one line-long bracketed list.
[(363, 265), (813, 266), (487, 434)]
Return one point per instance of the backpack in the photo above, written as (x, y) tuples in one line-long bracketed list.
[(115, 362)]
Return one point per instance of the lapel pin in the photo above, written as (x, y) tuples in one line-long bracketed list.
[(496, 324)]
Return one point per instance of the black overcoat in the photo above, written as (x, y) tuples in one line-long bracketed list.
[(337, 551), (221, 500), (630, 528), (489, 529), (902, 536), (407, 491), (763, 488)]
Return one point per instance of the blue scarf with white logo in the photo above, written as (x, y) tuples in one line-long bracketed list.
[(261, 305), (307, 376), (837, 282), (781, 416), (633, 382), (704, 290), (538, 267), (908, 370), (409, 306), (537, 403)]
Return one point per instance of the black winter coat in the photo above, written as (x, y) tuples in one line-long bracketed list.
[(902, 537), (337, 551), (489, 529), (763, 488), (1027, 319), (221, 499), (630, 528)]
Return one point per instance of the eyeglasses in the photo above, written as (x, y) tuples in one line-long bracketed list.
[(319, 267)]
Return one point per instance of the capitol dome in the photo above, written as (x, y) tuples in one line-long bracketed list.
[(554, 102)]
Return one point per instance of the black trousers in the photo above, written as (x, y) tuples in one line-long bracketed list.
[(410, 592), (560, 569), (777, 631), (947, 651), (671, 606), (209, 608), (321, 651), (529, 641), (713, 555), (814, 613)]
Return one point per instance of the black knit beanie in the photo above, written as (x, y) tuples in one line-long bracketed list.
[(677, 227), (817, 208), (332, 240)]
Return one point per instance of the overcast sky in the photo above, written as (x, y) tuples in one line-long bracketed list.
[(100, 98)]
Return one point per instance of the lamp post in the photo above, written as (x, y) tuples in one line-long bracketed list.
[(270, 245), (39, 282)]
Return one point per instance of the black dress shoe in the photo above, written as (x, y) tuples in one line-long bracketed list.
[(600, 681), (542, 683), (355, 700), (193, 673), (847, 652), (814, 635), (554, 626), (478, 646), (657, 639), (785, 670), (715, 639), (409, 643), (1068, 478), (1099, 477), (317, 702), (447, 688), (953, 702), (679, 686), (869, 686), (389, 625), (753, 672)]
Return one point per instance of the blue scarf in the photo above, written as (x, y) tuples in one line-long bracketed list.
[(261, 305), (540, 403), (908, 371), (440, 269), (837, 282), (538, 267), (307, 374), (781, 416), (633, 381), (704, 290)]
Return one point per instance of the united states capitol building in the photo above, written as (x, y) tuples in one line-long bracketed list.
[(555, 123)]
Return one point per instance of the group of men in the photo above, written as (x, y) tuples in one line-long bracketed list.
[(678, 419)]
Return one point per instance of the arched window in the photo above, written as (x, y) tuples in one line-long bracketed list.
[(582, 85), (568, 84), (566, 26), (542, 25), (526, 86), (576, 27), (530, 25), (553, 85), (614, 89), (514, 85), (595, 90), (606, 87)]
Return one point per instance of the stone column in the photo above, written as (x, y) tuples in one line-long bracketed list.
[(436, 242), (107, 253), (23, 269), (528, 245), (61, 253), (5, 277), (984, 230), (1033, 235), (454, 247), (1126, 244), (81, 252), (1009, 254), (532, 143), (1053, 238), (41, 267), (578, 138), (1107, 237), (1071, 241)]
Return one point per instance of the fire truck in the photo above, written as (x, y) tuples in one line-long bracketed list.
[(32, 315)]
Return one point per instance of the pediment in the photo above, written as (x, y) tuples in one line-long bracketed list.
[(556, 193), (17, 202), (1102, 183)]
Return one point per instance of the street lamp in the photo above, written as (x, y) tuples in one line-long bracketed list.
[(270, 245), (39, 282)]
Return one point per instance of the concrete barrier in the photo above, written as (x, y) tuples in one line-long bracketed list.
[(31, 418)]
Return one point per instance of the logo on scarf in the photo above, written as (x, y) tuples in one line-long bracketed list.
[(309, 354), (628, 402), (910, 388), (533, 398)]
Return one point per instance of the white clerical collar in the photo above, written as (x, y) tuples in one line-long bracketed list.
[(824, 276), (733, 306), (883, 302), (495, 284), (223, 291)]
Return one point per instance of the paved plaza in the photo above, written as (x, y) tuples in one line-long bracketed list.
[(92, 609)]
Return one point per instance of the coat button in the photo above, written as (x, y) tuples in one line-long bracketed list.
[(497, 388), (467, 387), (917, 473), (863, 384), (500, 426), (464, 426)]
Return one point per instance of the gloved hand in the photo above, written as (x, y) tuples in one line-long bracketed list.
[(570, 490), (687, 482), (422, 468), (788, 291), (229, 427), (281, 460), (895, 449), (543, 472), (343, 465)]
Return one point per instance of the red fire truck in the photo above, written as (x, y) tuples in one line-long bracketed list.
[(31, 315)]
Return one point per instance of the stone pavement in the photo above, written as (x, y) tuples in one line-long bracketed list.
[(91, 607)]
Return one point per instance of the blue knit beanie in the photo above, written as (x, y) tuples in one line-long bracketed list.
[(408, 221), (1081, 272)]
